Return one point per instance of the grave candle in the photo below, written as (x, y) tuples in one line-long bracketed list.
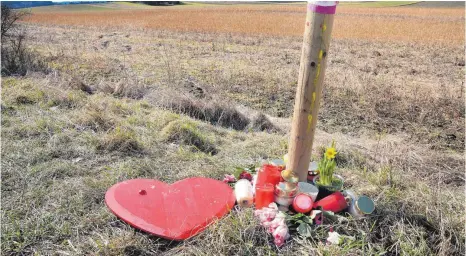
[(335, 202), (264, 195), (269, 174), (243, 193), (302, 203)]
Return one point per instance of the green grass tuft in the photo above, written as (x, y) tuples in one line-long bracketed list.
[(121, 139), (187, 133)]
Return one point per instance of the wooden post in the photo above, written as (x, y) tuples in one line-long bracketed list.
[(317, 31)]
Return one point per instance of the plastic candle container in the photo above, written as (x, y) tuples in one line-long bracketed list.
[(268, 174), (264, 195), (335, 202), (302, 203)]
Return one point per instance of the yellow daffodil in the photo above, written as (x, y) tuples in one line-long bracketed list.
[(331, 153)]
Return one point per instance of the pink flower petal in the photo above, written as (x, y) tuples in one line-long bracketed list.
[(279, 242), (229, 178)]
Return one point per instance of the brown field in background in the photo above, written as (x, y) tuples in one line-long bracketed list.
[(421, 25)]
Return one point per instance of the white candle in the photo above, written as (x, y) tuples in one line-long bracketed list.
[(244, 193)]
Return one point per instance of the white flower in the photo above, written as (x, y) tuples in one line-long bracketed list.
[(333, 238)]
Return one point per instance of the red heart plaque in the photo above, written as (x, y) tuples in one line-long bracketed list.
[(177, 211)]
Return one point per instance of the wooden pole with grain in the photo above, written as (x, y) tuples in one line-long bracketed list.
[(317, 32)]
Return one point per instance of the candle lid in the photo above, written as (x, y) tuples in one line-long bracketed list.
[(278, 162), (365, 205), (307, 188)]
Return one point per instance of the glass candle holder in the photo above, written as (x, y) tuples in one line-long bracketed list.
[(268, 174), (281, 189), (264, 195)]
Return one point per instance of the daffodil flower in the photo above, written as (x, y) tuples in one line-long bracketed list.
[(330, 153)]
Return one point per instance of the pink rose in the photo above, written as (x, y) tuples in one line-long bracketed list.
[(279, 242), (265, 214), (273, 206), (280, 235), (274, 222), (279, 219), (229, 178)]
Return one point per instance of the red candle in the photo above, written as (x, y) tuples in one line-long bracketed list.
[(302, 203), (269, 174), (264, 195), (335, 202)]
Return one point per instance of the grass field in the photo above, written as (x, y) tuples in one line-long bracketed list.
[(164, 92)]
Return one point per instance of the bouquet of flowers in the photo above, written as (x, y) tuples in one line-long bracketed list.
[(327, 166)]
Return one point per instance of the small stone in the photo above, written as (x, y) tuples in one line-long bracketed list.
[(77, 159)]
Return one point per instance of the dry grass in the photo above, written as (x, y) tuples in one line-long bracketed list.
[(187, 133), (122, 139), (216, 113), (396, 110), (421, 25), (53, 183)]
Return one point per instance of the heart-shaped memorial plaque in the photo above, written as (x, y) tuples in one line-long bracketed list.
[(173, 211)]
